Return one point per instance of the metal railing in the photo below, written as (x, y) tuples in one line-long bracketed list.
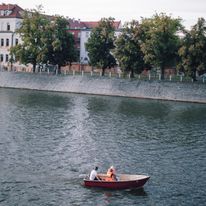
[(143, 77)]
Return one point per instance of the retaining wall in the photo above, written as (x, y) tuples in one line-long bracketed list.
[(176, 91)]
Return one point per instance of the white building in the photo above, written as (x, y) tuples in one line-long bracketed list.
[(85, 34), (10, 20)]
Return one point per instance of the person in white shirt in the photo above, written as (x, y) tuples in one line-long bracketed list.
[(93, 175)]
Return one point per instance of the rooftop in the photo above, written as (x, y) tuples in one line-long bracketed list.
[(10, 11)]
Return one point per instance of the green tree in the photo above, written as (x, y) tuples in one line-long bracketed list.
[(100, 45), (60, 48), (33, 25), (44, 39), (128, 48), (193, 50), (161, 43)]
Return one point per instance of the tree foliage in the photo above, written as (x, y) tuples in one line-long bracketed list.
[(161, 41), (153, 42), (31, 33), (193, 49), (100, 45), (61, 50), (44, 39), (128, 48)]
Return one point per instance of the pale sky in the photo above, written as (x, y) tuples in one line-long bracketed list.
[(124, 10)]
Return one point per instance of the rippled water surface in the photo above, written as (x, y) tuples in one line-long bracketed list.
[(49, 140)]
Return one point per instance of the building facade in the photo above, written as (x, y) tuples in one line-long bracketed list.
[(85, 34), (10, 21), (81, 31)]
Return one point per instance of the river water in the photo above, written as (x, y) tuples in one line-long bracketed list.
[(49, 140)]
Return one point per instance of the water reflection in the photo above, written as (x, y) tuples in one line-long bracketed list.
[(114, 197), (48, 139), (138, 192)]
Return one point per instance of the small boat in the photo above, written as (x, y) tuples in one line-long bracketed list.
[(125, 181)]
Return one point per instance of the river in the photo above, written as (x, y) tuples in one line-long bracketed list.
[(49, 140)]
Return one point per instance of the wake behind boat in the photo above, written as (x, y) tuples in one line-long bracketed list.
[(125, 181)]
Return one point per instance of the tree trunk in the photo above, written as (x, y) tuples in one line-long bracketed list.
[(162, 72), (103, 71), (194, 75), (59, 69), (132, 73), (70, 65), (34, 67)]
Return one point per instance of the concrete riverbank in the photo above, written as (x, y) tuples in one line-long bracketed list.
[(174, 91)]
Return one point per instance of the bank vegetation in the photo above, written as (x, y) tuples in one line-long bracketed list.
[(152, 44)]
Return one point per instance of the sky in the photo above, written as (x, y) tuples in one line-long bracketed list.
[(121, 10)]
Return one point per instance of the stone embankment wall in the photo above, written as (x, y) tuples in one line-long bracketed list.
[(176, 91)]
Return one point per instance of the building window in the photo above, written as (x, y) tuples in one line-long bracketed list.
[(8, 27), (7, 42), (7, 57), (2, 42), (16, 41), (1, 58), (87, 34)]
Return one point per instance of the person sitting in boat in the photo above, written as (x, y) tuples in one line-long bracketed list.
[(111, 174), (93, 175)]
